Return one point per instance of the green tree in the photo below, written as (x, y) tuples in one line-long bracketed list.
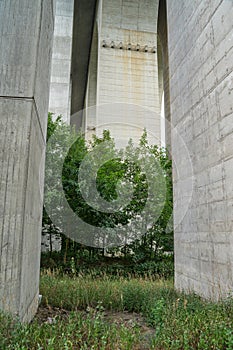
[(125, 167)]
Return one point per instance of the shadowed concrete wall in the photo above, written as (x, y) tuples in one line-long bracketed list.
[(83, 27), (26, 30), (59, 100), (89, 121), (200, 40), (127, 68), (163, 68)]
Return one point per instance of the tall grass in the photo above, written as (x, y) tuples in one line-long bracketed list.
[(115, 294), (79, 331), (181, 322)]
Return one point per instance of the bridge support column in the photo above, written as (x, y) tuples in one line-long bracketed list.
[(26, 32), (201, 85)]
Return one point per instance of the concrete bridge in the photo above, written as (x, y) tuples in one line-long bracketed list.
[(194, 62)]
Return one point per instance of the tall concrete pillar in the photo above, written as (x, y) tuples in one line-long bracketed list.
[(26, 31), (200, 40), (60, 87), (127, 69)]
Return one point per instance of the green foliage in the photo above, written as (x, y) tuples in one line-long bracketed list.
[(80, 331), (111, 267), (85, 291), (67, 135), (119, 168), (156, 239), (190, 323), (180, 321)]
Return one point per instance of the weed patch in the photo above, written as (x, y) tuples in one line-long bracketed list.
[(88, 310)]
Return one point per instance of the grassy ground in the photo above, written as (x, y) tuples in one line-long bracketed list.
[(179, 321)]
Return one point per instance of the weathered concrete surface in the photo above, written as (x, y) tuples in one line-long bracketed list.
[(127, 69), (60, 94), (201, 79), (26, 29)]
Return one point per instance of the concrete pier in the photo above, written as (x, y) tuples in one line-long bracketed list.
[(26, 29)]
